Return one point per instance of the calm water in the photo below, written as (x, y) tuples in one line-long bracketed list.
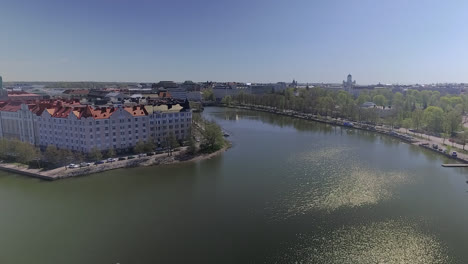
[(289, 191)]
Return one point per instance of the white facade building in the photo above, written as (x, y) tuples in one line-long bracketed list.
[(83, 127)]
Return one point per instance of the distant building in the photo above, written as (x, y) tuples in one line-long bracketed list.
[(75, 94), (349, 83), (3, 92), (222, 90), (368, 105), (23, 96), (165, 84), (178, 93), (115, 97), (194, 96)]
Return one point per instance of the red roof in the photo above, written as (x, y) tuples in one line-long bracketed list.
[(10, 106), (136, 110), (62, 109), (103, 112)]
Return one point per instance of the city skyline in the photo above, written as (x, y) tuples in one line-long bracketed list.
[(263, 41)]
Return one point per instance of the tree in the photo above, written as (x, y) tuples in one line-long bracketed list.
[(464, 137), (110, 153), (51, 155), (139, 147), (65, 156), (444, 137), (398, 100), (78, 156), (213, 137), (417, 118), (406, 123), (380, 100), (172, 142), (95, 154), (227, 100), (454, 120), (208, 95), (192, 146), (362, 98), (434, 117), (149, 146)]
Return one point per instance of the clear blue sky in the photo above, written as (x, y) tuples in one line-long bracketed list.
[(386, 41)]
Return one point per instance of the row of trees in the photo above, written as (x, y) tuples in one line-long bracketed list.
[(25, 153), (17, 151), (421, 110)]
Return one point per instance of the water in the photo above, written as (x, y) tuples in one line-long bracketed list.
[(288, 191)]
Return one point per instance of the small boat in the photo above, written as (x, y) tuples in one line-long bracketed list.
[(226, 135)]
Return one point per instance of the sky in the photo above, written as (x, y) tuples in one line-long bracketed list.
[(386, 41)]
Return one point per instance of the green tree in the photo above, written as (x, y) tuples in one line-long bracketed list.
[(51, 155), (149, 146), (406, 123), (380, 100), (208, 95), (139, 147), (454, 121), (362, 98), (192, 146), (417, 117), (398, 100), (463, 137), (65, 156), (213, 137), (95, 154), (110, 153), (172, 143), (434, 117), (227, 100), (78, 156)]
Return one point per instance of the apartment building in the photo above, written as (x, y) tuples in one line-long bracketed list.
[(17, 122), (70, 125)]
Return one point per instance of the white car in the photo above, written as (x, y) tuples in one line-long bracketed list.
[(73, 166)]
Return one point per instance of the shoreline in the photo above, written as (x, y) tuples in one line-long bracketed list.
[(148, 161), (425, 144)]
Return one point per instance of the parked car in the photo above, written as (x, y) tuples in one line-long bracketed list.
[(454, 154), (150, 154), (85, 164), (435, 146), (131, 157), (98, 162), (122, 158), (111, 160), (73, 166), (141, 155)]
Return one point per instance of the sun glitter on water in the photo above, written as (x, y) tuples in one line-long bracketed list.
[(393, 241)]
